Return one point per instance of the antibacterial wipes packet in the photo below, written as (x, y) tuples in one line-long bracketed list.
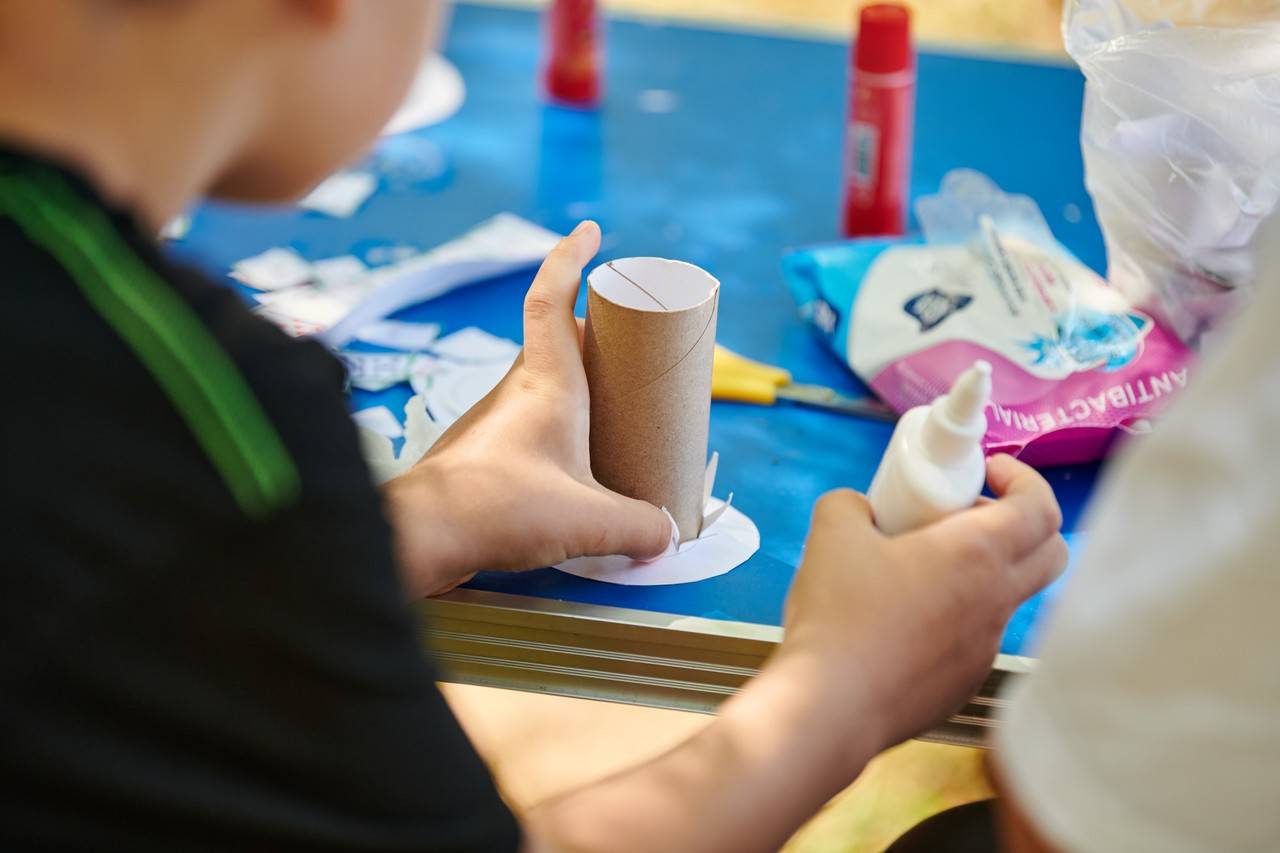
[(1074, 365)]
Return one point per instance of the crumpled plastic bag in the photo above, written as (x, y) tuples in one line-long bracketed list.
[(1181, 143)]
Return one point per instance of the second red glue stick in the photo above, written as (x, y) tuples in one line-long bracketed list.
[(881, 102), (571, 74)]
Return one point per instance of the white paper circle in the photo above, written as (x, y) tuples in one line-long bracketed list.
[(725, 545), (652, 284), (437, 93)]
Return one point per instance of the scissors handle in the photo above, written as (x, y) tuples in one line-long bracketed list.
[(737, 378)]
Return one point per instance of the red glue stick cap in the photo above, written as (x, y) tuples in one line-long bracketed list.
[(884, 39)]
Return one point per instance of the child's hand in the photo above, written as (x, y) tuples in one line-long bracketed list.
[(509, 485), (906, 628)]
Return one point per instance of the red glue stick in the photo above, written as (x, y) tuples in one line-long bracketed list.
[(881, 102), (571, 75)]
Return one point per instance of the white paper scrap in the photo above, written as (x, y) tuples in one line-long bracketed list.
[(333, 272), (499, 246), (302, 308), (399, 334), (420, 432), (274, 269), (454, 389), (476, 346), (176, 228), (437, 93), (341, 194), (422, 373), (380, 420), (376, 371), (727, 543)]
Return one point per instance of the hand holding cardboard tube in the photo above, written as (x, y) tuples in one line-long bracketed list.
[(509, 485), (651, 333)]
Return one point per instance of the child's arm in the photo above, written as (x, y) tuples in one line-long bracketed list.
[(509, 486), (884, 637)]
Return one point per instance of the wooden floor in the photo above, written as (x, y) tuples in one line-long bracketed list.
[(539, 746)]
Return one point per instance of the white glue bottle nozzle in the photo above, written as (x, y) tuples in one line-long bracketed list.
[(958, 420)]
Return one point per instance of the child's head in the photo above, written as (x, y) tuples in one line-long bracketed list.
[(256, 100), (339, 69)]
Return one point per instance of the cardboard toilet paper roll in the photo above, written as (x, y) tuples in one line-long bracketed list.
[(650, 338)]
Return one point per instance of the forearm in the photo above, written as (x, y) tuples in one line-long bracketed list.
[(746, 782)]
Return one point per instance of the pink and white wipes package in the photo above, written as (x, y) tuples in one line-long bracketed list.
[(1073, 364)]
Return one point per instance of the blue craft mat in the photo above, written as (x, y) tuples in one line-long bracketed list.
[(745, 166)]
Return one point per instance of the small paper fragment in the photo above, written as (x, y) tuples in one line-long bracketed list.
[(376, 371), (399, 334), (176, 228), (455, 388), (380, 420), (334, 272), (475, 346), (301, 310), (274, 269), (420, 432), (341, 194)]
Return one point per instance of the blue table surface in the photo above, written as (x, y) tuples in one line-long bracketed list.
[(744, 164)]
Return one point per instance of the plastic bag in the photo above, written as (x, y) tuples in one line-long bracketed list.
[(1073, 364), (1181, 143)]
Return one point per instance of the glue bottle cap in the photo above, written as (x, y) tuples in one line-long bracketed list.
[(884, 39), (958, 420)]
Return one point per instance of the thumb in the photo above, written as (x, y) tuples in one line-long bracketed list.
[(550, 329), (623, 525)]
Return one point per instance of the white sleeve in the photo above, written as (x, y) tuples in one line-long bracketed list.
[(1152, 721)]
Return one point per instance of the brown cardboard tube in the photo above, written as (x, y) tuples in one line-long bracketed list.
[(651, 331)]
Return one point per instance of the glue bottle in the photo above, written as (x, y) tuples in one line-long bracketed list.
[(571, 74), (934, 465)]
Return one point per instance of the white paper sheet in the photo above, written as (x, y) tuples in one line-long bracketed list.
[(420, 432), (334, 272), (475, 346), (436, 93), (398, 334), (376, 371), (341, 194), (380, 420), (726, 544), (274, 269)]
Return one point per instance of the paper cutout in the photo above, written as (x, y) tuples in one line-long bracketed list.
[(176, 228), (451, 392), (274, 269), (380, 420), (376, 371), (476, 346), (398, 334), (436, 93), (499, 246), (334, 272), (724, 545), (420, 432), (647, 353), (341, 194)]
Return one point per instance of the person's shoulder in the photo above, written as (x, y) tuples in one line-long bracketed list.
[(131, 354)]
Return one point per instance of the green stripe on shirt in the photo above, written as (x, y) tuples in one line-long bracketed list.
[(179, 352)]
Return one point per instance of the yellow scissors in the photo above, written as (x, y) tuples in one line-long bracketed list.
[(737, 378)]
